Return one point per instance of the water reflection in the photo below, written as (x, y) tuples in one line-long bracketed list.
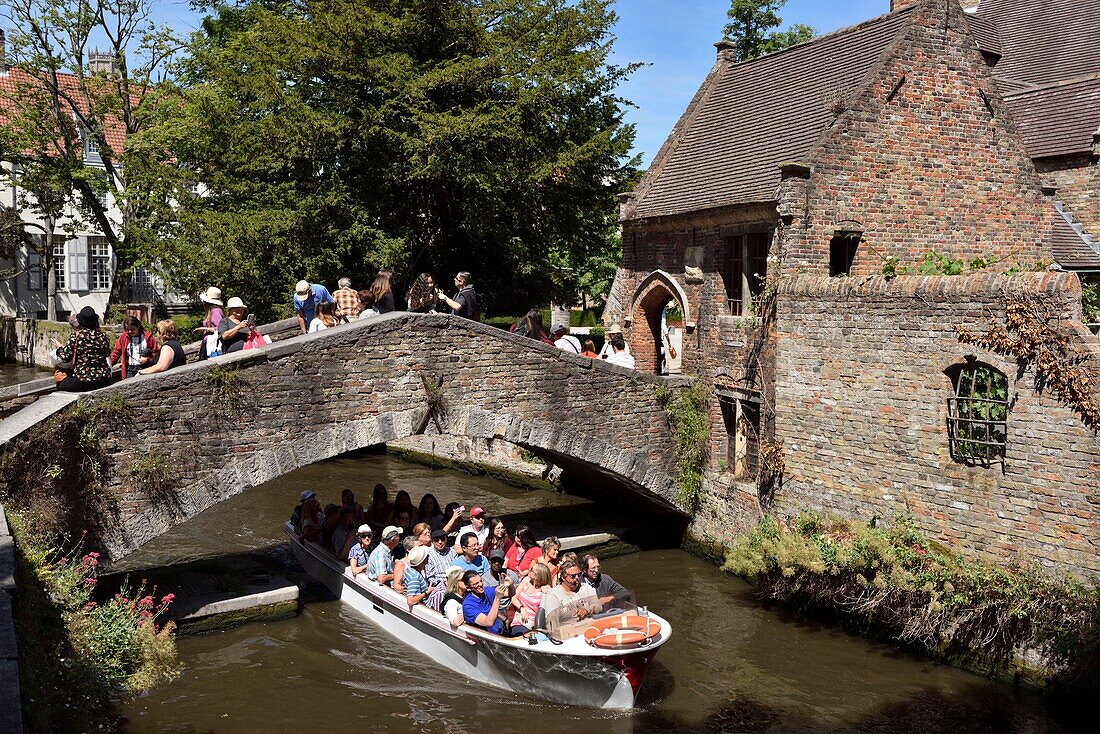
[(731, 665)]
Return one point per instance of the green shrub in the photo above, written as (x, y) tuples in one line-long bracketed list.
[(894, 582), (1090, 302), (690, 421)]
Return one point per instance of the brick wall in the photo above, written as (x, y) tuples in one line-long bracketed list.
[(924, 157), (1078, 182), (320, 395), (861, 413)]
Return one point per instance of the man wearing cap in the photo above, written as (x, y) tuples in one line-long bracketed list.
[(310, 516), (359, 554), (612, 331), (380, 563), (564, 341), (306, 298), (347, 300), (416, 585), (477, 526), (505, 579)]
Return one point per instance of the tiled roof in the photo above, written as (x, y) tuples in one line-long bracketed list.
[(750, 117), (985, 33), (1059, 119), (1044, 41), (1072, 249), (16, 79)]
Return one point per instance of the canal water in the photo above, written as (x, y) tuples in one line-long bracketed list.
[(732, 665)]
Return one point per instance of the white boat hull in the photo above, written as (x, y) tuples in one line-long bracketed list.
[(572, 673)]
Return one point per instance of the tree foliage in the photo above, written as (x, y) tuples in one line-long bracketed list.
[(335, 138), (751, 28)]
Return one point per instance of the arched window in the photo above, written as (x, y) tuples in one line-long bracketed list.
[(977, 414)]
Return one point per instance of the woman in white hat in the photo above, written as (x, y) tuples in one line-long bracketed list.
[(212, 312), (234, 328)]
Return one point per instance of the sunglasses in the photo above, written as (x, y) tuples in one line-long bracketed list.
[(573, 575)]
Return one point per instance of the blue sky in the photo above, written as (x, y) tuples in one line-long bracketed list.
[(674, 37)]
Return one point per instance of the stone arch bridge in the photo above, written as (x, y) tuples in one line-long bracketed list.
[(216, 428)]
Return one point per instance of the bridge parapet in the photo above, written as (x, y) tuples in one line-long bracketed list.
[(219, 427)]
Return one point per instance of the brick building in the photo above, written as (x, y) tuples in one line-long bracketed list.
[(851, 155)]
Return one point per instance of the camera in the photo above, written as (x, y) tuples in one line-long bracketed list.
[(145, 352)]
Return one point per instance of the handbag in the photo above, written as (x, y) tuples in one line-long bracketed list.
[(256, 340), (213, 343)]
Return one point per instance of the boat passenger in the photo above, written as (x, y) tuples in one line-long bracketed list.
[(380, 508), (471, 559), (441, 556), (570, 600), (496, 538), (311, 517), (343, 536), (428, 511), (551, 549), (479, 606), (452, 600), (477, 526), (347, 499), (421, 537), (528, 597), (523, 552), (501, 574), (380, 563), (400, 553), (416, 586), (402, 503), (359, 554), (609, 591)]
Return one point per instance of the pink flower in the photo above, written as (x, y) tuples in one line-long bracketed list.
[(167, 599), (146, 602), (90, 581)]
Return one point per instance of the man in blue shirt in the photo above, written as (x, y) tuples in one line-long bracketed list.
[(471, 558), (480, 606), (380, 563), (306, 298)]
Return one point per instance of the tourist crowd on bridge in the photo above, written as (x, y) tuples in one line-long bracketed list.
[(464, 565), (86, 361)]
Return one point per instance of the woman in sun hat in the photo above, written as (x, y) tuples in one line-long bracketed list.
[(234, 328), (212, 315)]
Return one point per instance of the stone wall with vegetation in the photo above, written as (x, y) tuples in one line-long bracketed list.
[(861, 401)]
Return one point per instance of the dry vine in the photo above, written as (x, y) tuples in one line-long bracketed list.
[(1034, 334)]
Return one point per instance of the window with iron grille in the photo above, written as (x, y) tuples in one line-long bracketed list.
[(977, 414), (99, 263)]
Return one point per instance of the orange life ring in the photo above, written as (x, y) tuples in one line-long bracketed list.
[(625, 630)]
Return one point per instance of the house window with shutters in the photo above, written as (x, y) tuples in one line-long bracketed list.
[(99, 263)]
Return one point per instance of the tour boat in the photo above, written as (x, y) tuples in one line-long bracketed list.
[(602, 666)]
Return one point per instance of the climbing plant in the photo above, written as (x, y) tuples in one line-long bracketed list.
[(690, 420), (1033, 333)]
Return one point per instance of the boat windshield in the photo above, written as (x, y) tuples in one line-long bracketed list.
[(571, 618)]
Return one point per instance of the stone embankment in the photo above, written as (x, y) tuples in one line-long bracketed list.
[(10, 712)]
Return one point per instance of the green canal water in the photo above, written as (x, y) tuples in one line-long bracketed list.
[(732, 664)]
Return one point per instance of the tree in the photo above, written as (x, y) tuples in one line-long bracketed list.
[(426, 135), (751, 24), (61, 107)]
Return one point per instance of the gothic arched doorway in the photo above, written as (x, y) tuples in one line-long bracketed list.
[(660, 313)]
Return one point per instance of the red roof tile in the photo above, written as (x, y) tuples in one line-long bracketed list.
[(750, 117), (1059, 119), (16, 79)]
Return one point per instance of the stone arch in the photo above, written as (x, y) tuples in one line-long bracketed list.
[(628, 469), (656, 291)]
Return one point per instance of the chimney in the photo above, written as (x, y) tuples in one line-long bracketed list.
[(101, 63), (727, 50), (899, 4), (3, 55)]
